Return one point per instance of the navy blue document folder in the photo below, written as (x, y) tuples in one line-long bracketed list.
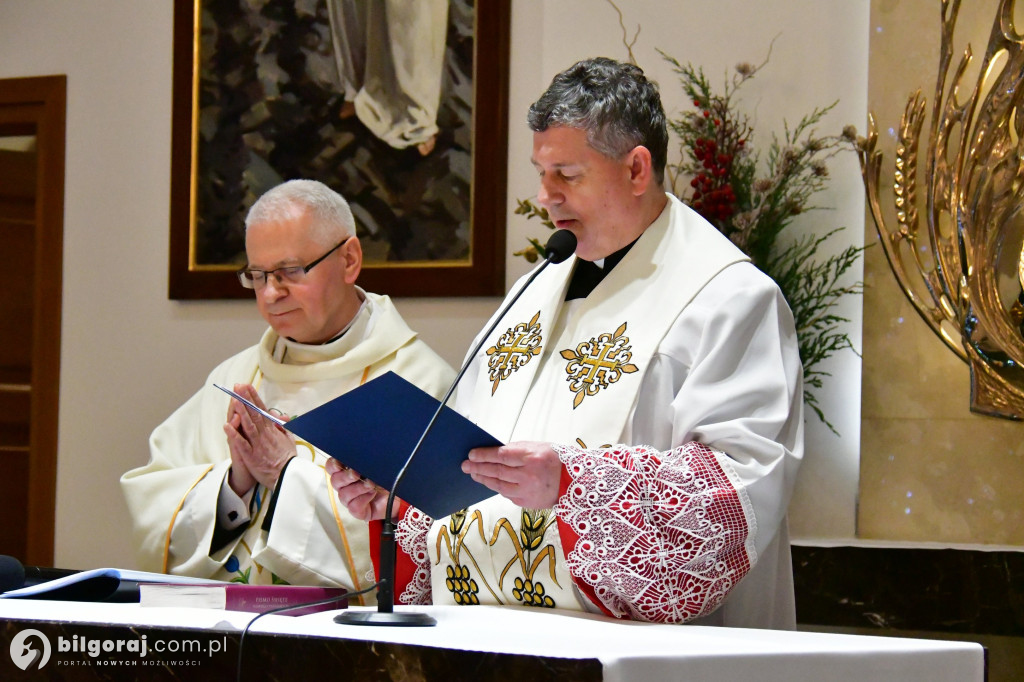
[(375, 427)]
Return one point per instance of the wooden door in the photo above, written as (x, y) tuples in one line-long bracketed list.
[(32, 112)]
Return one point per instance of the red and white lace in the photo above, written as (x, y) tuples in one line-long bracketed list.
[(654, 536), (411, 536)]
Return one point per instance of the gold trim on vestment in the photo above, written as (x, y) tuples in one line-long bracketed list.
[(174, 516)]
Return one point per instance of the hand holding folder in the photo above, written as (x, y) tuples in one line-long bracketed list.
[(372, 429)]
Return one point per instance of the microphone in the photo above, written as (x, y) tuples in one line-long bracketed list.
[(560, 246), (14, 575)]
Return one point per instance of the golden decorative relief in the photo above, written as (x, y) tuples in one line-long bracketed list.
[(513, 350), (598, 363), (963, 271)]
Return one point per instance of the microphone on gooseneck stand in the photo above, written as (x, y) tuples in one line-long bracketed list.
[(560, 246), (12, 573)]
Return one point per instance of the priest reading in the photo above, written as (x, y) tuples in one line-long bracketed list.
[(649, 390), (233, 497)]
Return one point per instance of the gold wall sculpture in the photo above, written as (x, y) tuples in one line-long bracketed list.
[(964, 270), (931, 470)]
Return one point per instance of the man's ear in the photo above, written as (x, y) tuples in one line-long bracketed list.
[(641, 172), (352, 251)]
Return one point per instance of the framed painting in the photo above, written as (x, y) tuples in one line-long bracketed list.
[(400, 107)]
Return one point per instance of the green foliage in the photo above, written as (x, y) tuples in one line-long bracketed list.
[(721, 176), (812, 289), (535, 250)]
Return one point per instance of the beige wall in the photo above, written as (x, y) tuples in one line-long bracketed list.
[(130, 356), (930, 469)]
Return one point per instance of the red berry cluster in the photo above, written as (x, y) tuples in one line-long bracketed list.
[(713, 195)]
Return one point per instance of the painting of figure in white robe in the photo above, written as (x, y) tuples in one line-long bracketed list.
[(372, 97), (390, 56)]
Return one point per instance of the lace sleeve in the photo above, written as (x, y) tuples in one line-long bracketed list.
[(654, 536), (411, 538)]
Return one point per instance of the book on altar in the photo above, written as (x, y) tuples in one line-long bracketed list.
[(243, 597), (374, 428), (98, 585)]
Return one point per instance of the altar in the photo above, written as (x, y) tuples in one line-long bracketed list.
[(127, 641)]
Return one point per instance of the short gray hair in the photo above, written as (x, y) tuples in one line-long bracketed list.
[(332, 217), (613, 102)]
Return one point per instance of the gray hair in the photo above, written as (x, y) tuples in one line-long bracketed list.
[(613, 102), (332, 217)]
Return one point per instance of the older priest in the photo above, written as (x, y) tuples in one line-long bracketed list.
[(650, 390), (229, 496)]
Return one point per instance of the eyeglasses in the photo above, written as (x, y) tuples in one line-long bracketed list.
[(291, 274)]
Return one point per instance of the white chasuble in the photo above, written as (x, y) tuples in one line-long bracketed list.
[(568, 373), (313, 540)]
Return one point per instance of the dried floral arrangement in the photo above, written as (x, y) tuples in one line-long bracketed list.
[(721, 176)]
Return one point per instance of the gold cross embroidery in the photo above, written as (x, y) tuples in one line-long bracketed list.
[(598, 363), (513, 349)]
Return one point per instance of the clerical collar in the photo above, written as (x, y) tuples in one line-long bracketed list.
[(588, 274), (340, 334), (348, 326), (291, 352)]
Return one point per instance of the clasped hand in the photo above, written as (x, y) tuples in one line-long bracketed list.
[(259, 448)]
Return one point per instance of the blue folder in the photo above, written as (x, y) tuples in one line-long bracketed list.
[(373, 429)]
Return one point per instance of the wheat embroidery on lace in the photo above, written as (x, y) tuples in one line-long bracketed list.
[(662, 535), (411, 535)]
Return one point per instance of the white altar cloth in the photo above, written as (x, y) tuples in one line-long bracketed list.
[(628, 651)]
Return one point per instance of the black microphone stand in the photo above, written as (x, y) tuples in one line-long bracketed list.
[(560, 246)]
